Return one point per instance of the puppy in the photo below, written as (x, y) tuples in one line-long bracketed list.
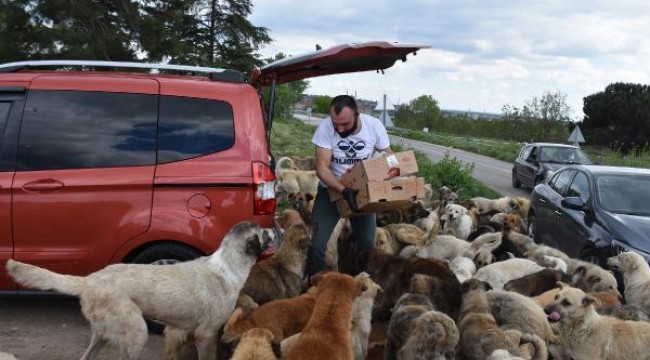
[(407, 214), (499, 273), (434, 336), (402, 323), (536, 283), (486, 206), (430, 224), (282, 317), (589, 335), (289, 217), (592, 278), (636, 277), (331, 319), (515, 223), (458, 223), (257, 344), (480, 334), (291, 180), (304, 204), (115, 299), (386, 243)]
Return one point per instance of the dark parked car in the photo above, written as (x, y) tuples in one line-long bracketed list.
[(539, 161), (592, 212)]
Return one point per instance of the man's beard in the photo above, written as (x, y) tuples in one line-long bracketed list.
[(347, 133)]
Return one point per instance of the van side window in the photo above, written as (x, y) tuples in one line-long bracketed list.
[(191, 127), (82, 129)]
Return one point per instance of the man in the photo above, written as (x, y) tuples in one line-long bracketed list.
[(341, 141)]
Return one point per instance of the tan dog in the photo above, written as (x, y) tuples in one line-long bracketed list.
[(282, 317), (386, 243), (193, 296), (291, 181), (480, 334), (289, 217), (515, 223), (327, 334), (304, 204), (588, 335), (298, 163), (636, 276), (361, 316), (521, 206), (280, 276), (257, 344)]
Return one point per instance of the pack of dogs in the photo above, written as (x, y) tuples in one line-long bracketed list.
[(448, 279)]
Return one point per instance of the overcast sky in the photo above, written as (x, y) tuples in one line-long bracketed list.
[(484, 54)]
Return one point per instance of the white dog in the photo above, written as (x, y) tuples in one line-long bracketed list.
[(196, 296), (443, 247), (499, 273), (463, 267), (458, 222), (636, 276), (485, 206)]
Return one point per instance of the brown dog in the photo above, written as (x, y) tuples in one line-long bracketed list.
[(279, 276), (257, 344), (282, 317), (327, 334), (303, 203), (537, 283), (408, 308), (390, 272), (480, 333)]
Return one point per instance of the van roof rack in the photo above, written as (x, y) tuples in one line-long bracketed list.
[(215, 74)]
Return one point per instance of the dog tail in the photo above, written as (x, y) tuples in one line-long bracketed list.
[(541, 351), (39, 278), (282, 160)]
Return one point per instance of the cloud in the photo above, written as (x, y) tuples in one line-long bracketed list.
[(484, 53)]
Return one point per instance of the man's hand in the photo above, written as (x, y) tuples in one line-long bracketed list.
[(350, 196)]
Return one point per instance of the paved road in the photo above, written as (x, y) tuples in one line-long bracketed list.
[(491, 172)]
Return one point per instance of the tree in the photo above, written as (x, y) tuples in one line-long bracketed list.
[(195, 32), (549, 112), (286, 95), (619, 117), (321, 104), (420, 112)]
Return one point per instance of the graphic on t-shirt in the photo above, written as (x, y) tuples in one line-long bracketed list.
[(350, 148)]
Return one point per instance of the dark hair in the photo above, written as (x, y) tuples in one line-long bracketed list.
[(342, 101)]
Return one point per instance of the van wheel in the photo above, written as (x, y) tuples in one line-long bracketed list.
[(164, 254)]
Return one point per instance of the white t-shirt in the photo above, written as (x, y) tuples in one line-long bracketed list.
[(356, 147)]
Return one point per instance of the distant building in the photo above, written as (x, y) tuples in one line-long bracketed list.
[(471, 114)]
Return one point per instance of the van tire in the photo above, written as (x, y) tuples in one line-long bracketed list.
[(162, 254)]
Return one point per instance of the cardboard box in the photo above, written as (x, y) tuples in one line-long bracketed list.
[(378, 189)]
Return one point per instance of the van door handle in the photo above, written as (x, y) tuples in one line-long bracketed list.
[(542, 201), (43, 185), (558, 213)]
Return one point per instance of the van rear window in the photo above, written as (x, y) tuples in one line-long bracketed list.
[(191, 127)]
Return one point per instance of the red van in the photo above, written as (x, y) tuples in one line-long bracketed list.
[(105, 166)]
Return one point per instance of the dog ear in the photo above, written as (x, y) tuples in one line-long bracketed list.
[(589, 300), (253, 245), (581, 270), (309, 197), (229, 328), (318, 277)]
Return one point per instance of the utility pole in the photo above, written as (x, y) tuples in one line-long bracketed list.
[(383, 114)]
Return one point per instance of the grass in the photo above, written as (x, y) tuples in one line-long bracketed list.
[(508, 150), (291, 137)]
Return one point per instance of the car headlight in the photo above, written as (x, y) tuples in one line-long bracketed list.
[(620, 247)]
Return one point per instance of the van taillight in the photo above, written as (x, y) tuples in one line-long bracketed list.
[(264, 188)]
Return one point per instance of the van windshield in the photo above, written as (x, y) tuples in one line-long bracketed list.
[(563, 155)]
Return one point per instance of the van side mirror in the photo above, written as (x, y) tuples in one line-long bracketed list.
[(574, 203)]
